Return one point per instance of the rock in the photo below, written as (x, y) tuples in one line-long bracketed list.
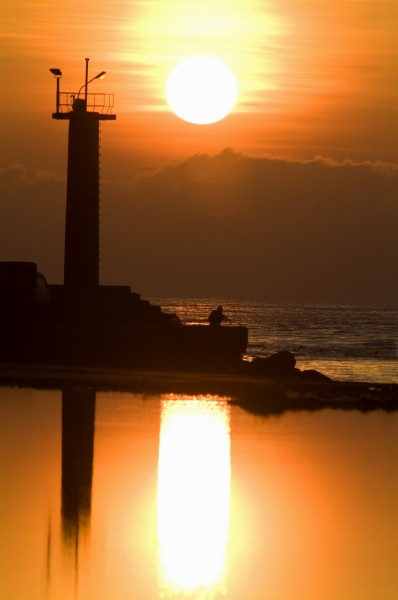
[(313, 375), (280, 364)]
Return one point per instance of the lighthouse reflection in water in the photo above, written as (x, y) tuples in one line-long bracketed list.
[(193, 499)]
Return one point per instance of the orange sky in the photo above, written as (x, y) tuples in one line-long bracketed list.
[(315, 78)]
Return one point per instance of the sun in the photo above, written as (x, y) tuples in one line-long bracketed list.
[(201, 90)]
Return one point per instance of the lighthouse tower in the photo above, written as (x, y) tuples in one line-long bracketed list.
[(84, 112)]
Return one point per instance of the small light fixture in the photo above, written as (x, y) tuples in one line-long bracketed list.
[(56, 72)]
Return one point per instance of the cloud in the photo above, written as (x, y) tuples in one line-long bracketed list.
[(32, 209), (270, 228), (16, 177), (229, 225)]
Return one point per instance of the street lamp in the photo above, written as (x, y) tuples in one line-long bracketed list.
[(100, 75), (57, 74)]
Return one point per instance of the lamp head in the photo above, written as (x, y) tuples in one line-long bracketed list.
[(100, 75), (56, 72)]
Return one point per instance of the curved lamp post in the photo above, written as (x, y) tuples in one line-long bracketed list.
[(100, 75)]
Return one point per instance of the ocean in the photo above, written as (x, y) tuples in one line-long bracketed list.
[(347, 343)]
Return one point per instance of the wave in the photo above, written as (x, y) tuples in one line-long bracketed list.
[(316, 334)]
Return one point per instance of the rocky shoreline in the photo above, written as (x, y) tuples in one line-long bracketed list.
[(263, 395)]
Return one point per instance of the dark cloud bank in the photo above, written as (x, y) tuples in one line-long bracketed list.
[(236, 226)]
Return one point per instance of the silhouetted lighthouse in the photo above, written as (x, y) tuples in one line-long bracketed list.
[(81, 262)]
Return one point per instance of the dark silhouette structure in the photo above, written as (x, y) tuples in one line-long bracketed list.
[(78, 418), (81, 262), (82, 322)]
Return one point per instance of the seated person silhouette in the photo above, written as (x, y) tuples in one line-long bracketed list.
[(216, 317)]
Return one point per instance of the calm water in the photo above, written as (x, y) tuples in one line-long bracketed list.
[(354, 343), (119, 496)]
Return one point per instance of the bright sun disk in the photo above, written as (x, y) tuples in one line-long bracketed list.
[(201, 90)]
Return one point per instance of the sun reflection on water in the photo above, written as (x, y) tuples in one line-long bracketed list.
[(193, 499)]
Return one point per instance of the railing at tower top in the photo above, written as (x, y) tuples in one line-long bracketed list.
[(98, 102)]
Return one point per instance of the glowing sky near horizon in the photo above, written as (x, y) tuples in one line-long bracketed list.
[(309, 73)]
